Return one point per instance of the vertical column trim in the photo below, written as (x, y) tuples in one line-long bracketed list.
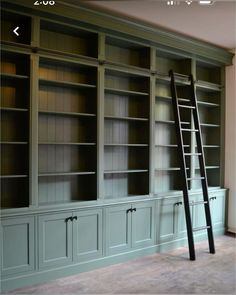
[(33, 140)]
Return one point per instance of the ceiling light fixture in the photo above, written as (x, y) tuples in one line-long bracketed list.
[(172, 2), (189, 2), (205, 2)]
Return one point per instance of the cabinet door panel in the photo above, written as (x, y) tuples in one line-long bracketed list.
[(167, 221), (87, 234), (142, 224), (217, 205), (17, 245), (55, 240), (118, 229)]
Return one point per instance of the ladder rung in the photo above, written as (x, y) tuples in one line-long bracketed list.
[(201, 228), (190, 130), (186, 106), (193, 154), (195, 178), (197, 203)]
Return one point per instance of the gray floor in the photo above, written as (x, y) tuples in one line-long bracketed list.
[(165, 273)]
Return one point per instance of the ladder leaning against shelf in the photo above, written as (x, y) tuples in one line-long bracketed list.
[(190, 104)]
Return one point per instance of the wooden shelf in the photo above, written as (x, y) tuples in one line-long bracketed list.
[(208, 87), (126, 144), (8, 109), (13, 176), (13, 76), (66, 84), (14, 142), (125, 92), (68, 143), (48, 174), (170, 145), (209, 125), (167, 169), (125, 118), (66, 113), (207, 104), (125, 171)]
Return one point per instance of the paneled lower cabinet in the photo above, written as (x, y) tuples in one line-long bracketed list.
[(217, 206), (129, 226), (17, 245), (69, 237)]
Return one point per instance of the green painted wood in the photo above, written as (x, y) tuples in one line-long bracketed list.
[(118, 229), (217, 207), (18, 246), (141, 30), (167, 220), (143, 224), (55, 240), (87, 235)]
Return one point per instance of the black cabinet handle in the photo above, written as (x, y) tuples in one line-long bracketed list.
[(178, 203), (69, 219), (75, 218), (134, 210), (212, 198), (129, 210)]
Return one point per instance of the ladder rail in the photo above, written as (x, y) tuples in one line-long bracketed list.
[(202, 166)]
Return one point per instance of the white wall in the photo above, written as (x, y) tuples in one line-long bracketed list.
[(230, 143)]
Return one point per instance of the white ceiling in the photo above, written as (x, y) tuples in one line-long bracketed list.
[(215, 24)]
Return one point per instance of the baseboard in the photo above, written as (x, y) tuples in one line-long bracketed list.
[(231, 230), (38, 277)]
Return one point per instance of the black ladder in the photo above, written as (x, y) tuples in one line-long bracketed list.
[(191, 104)]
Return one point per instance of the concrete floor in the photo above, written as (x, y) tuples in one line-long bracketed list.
[(165, 273)]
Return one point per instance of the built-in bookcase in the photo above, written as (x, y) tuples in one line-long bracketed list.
[(67, 127), (209, 104), (166, 164), (126, 134), (68, 39), (67, 96), (15, 74), (121, 52)]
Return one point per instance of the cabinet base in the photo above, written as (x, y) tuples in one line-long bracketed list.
[(38, 277)]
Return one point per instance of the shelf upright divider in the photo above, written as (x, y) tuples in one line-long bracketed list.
[(33, 144), (152, 119), (222, 133), (100, 116), (35, 31)]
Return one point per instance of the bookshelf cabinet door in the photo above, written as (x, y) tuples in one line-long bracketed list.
[(167, 221), (118, 229), (17, 244), (217, 205), (87, 234), (142, 224), (55, 240)]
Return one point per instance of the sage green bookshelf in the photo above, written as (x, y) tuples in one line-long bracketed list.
[(67, 129), (15, 106), (89, 168)]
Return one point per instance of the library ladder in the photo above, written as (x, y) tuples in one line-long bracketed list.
[(191, 105)]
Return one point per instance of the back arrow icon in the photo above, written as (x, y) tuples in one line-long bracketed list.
[(15, 31)]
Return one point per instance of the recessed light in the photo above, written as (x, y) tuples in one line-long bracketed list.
[(205, 2)]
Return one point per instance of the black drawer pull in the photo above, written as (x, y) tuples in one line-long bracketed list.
[(69, 219), (178, 203), (75, 218), (212, 198), (129, 210), (134, 210)]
